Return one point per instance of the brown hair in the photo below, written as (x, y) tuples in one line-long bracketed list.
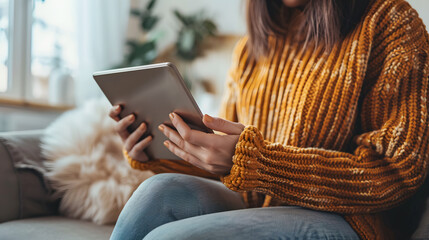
[(324, 22)]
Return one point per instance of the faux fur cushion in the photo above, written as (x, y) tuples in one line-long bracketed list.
[(86, 166)]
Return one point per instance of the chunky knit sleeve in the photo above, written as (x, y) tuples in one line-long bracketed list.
[(168, 166), (388, 165)]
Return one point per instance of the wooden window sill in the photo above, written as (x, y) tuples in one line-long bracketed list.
[(8, 102)]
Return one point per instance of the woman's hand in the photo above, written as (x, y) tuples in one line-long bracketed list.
[(211, 152), (132, 145)]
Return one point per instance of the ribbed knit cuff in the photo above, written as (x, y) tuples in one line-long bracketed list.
[(137, 164), (246, 170)]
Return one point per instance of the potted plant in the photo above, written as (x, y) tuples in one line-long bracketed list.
[(142, 52)]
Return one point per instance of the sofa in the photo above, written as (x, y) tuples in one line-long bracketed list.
[(29, 208)]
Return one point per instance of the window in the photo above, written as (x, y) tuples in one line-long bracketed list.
[(53, 51), (37, 50), (4, 44)]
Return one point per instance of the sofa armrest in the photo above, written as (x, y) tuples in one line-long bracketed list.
[(23, 190)]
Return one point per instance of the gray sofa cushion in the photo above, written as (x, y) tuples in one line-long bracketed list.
[(54, 228), (9, 191), (23, 189)]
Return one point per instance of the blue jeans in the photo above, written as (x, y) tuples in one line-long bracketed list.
[(177, 206)]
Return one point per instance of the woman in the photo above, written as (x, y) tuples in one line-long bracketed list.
[(325, 124)]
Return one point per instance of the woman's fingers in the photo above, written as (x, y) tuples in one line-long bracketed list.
[(137, 151), (222, 125), (143, 144), (190, 158), (182, 154), (175, 137), (134, 137), (211, 152), (114, 112), (122, 125), (189, 135), (195, 152)]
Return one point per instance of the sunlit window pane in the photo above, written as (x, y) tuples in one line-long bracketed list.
[(4, 44), (53, 51)]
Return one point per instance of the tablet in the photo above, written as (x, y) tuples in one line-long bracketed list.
[(151, 92)]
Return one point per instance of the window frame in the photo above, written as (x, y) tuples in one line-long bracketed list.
[(19, 50)]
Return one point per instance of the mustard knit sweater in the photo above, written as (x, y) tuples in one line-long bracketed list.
[(345, 131)]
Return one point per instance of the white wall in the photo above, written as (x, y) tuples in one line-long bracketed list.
[(422, 7), (227, 14)]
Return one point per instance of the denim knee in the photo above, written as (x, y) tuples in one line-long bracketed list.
[(169, 197), (170, 193), (157, 185), (158, 200)]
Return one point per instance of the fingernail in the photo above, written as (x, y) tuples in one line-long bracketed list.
[(171, 116), (142, 126), (166, 143), (131, 117), (160, 127), (117, 107), (208, 118)]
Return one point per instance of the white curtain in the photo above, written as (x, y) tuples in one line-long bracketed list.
[(100, 37)]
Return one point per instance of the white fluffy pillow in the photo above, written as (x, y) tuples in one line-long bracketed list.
[(86, 166)]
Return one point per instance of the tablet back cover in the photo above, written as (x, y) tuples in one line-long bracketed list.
[(151, 92)]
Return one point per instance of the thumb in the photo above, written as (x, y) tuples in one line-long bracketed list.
[(222, 125)]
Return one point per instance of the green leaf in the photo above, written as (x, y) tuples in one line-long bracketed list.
[(142, 53), (148, 22), (210, 26), (185, 21), (145, 47), (135, 12), (195, 28), (150, 5), (132, 43)]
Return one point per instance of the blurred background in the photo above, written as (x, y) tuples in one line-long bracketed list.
[(50, 48)]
